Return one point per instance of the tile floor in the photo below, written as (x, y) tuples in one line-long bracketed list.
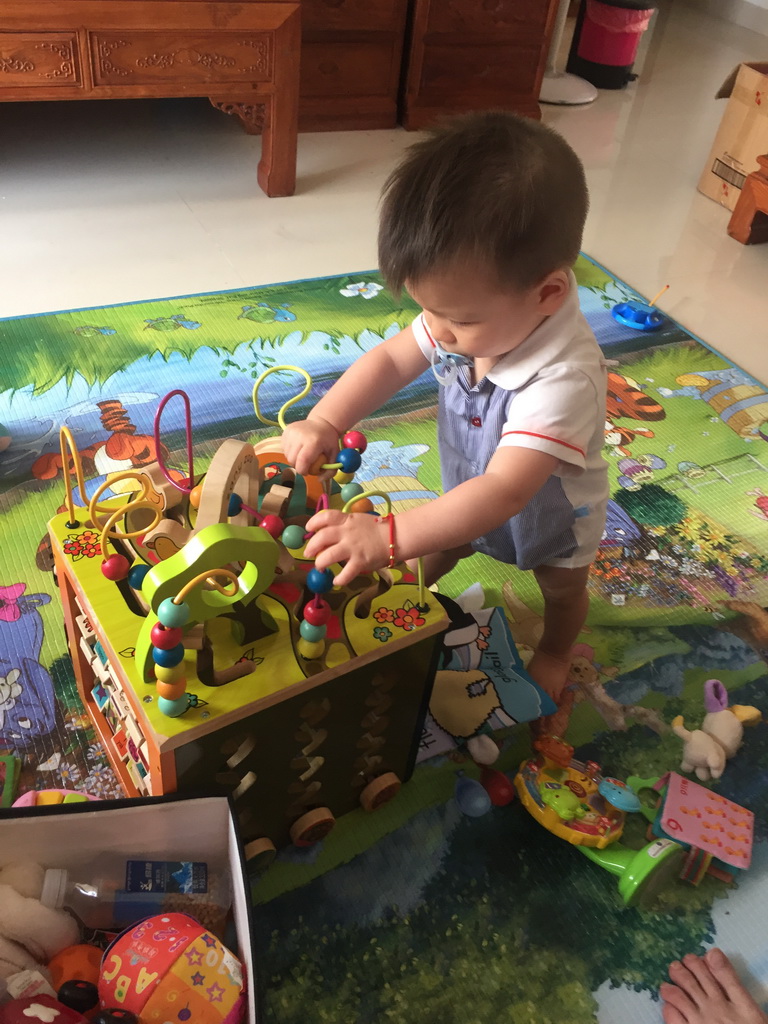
[(111, 202)]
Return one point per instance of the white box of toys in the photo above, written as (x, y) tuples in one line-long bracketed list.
[(742, 136), (125, 912)]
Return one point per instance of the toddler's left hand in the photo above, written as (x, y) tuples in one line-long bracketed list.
[(356, 538)]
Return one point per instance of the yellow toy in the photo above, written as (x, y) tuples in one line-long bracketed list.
[(209, 651)]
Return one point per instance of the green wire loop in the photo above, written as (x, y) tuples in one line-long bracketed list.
[(369, 494), (280, 421)]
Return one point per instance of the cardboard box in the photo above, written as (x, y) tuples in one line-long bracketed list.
[(203, 828), (742, 136)]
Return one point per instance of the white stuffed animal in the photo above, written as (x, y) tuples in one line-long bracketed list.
[(30, 933), (706, 749)]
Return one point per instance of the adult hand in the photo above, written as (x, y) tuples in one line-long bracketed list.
[(357, 539), (308, 442)]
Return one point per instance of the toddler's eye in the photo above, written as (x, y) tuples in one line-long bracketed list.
[(462, 323)]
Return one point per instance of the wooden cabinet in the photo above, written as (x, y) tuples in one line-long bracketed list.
[(376, 63), (351, 60), (475, 54), (243, 55)]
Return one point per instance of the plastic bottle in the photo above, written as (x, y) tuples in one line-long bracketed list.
[(113, 893)]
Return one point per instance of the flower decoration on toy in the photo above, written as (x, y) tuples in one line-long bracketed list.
[(169, 967)]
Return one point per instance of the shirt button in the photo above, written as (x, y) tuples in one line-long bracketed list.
[(476, 421)]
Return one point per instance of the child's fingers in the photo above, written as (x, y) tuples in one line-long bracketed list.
[(328, 517)]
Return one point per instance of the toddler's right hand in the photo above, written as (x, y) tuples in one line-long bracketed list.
[(307, 442)]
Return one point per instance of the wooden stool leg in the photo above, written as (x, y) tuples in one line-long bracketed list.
[(749, 222)]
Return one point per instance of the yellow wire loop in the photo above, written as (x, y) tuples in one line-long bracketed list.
[(369, 494), (422, 588), (280, 421), (234, 583), (107, 526), (66, 441)]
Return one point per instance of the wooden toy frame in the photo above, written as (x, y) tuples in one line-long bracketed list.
[(294, 742)]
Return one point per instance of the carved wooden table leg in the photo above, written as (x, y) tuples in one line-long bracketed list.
[(274, 114), (749, 222)]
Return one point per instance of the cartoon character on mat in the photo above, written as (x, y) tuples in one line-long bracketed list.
[(638, 471), (619, 438), (28, 707), (462, 704), (122, 450), (625, 397)]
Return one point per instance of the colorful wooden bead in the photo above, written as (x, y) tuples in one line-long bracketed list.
[(170, 674), (311, 632), (172, 691), (195, 495), (165, 638), (342, 478), (293, 537), (310, 650), (318, 613), (173, 708), (350, 460), (355, 439), (319, 582), (168, 658), (274, 525), (171, 614), (235, 506), (364, 505), (136, 575), (116, 567), (350, 491)]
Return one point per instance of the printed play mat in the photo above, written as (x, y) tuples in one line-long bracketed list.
[(465, 900)]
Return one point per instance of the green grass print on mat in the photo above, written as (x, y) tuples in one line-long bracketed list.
[(417, 913)]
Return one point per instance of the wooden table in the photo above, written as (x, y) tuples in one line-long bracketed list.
[(244, 56)]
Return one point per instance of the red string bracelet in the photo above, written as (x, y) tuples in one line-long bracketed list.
[(391, 518)]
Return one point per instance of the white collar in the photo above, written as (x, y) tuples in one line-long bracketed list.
[(551, 342)]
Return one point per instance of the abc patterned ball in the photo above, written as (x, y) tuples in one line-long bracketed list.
[(169, 969)]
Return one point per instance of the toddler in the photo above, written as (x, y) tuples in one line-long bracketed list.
[(481, 222)]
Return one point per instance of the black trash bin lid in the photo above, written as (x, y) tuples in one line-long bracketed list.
[(630, 5)]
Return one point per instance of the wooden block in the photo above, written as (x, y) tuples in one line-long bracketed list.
[(120, 741), (87, 650), (84, 624)]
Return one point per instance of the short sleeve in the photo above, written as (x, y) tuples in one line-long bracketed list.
[(557, 412)]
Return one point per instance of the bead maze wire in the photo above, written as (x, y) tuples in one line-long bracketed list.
[(187, 486), (234, 583), (108, 526), (66, 441)]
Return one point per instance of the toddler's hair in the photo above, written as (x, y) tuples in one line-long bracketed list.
[(490, 188)]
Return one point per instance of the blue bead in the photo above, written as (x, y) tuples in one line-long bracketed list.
[(173, 708), (173, 615), (350, 491), (350, 460), (293, 537), (312, 633), (136, 576), (235, 505), (319, 582), (168, 658)]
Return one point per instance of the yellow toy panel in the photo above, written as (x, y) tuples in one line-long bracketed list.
[(264, 633)]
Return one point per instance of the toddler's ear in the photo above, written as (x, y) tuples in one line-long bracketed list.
[(552, 292)]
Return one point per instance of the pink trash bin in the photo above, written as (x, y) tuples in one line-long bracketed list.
[(606, 39)]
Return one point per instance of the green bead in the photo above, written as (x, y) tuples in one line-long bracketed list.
[(172, 615), (312, 633), (293, 537), (173, 708), (350, 491)]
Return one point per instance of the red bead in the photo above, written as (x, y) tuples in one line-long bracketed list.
[(116, 567), (355, 439), (317, 613), (165, 638), (274, 525)]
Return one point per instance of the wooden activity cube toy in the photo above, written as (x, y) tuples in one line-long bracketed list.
[(294, 739)]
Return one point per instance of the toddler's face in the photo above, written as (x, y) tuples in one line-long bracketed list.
[(470, 315)]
